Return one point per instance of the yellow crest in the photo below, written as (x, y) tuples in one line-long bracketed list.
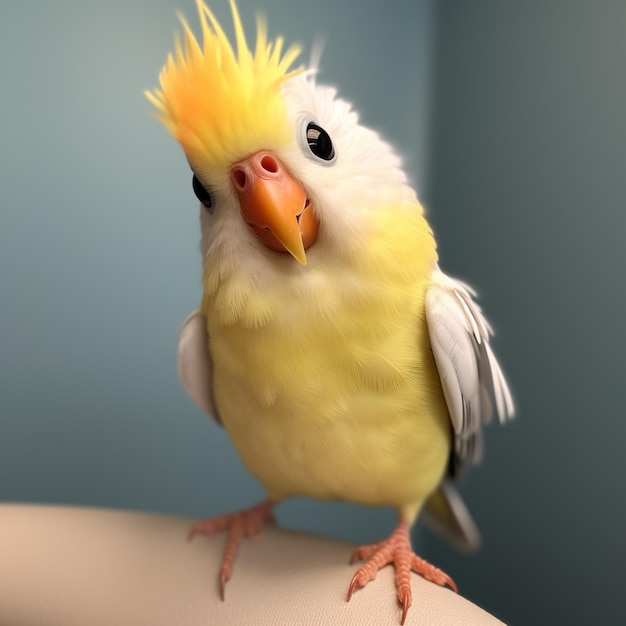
[(222, 104)]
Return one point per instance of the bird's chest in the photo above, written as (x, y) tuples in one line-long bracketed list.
[(321, 384)]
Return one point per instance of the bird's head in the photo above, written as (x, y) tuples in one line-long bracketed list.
[(281, 165)]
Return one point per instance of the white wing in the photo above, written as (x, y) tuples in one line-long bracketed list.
[(195, 369), (469, 372)]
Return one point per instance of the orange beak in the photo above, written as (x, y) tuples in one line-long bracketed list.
[(274, 205)]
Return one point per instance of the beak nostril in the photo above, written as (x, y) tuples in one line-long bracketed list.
[(239, 178), (269, 164)]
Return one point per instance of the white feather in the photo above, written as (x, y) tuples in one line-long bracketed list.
[(194, 363), (469, 371), (366, 176)]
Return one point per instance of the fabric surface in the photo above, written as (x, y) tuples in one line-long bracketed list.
[(63, 566)]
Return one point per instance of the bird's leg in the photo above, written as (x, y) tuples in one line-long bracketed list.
[(246, 523), (396, 549)]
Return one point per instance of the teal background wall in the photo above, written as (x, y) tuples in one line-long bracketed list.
[(527, 194), (510, 117)]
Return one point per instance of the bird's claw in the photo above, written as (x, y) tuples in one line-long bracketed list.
[(432, 573), (224, 576), (396, 549), (247, 523), (355, 583), (405, 601), (450, 583), (365, 553)]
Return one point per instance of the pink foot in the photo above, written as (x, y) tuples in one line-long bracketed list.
[(247, 523), (395, 549)]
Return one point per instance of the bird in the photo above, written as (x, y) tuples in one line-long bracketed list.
[(342, 361)]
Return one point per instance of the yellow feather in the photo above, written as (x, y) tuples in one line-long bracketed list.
[(325, 379), (220, 103)]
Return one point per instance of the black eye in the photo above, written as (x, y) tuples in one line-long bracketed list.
[(319, 142), (202, 194)]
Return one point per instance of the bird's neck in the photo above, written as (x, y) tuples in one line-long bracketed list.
[(382, 270)]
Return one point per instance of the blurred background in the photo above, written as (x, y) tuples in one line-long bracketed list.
[(510, 118)]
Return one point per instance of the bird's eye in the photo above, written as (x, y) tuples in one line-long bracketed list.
[(319, 142), (203, 195)]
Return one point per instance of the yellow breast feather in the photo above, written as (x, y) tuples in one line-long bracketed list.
[(318, 372)]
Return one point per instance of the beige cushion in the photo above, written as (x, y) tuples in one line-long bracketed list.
[(62, 566)]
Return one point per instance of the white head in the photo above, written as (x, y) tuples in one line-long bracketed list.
[(286, 174)]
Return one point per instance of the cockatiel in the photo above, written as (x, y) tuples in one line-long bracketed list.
[(340, 359)]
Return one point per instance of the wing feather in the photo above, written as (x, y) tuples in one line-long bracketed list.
[(195, 368), (471, 377)]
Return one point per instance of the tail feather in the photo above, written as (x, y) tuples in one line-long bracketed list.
[(445, 513)]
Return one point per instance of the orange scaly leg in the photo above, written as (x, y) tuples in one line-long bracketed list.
[(246, 523), (395, 549)]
